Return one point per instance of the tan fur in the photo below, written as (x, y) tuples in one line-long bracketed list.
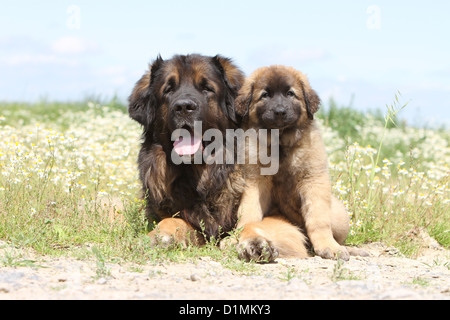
[(257, 199), (174, 230), (262, 240), (301, 190)]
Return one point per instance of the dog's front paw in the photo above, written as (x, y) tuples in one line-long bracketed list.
[(257, 249), (161, 239)]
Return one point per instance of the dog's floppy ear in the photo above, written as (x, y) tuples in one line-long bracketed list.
[(310, 96), (139, 100), (141, 103), (244, 100), (233, 79)]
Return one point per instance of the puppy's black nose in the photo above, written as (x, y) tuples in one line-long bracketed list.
[(279, 112), (185, 105)]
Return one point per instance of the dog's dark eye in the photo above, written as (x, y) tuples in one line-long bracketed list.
[(264, 94), (168, 89), (290, 93), (206, 87), (170, 86)]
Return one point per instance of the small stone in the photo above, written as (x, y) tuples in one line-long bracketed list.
[(101, 281), (194, 277)]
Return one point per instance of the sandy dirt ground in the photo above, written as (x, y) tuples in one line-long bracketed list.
[(386, 274)]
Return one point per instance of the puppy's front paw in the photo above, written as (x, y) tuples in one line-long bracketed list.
[(333, 252), (257, 249), (357, 252)]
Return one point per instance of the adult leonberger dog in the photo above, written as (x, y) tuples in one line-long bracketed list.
[(172, 95), (297, 200)]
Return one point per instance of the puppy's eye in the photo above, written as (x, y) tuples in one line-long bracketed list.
[(264, 95), (290, 93)]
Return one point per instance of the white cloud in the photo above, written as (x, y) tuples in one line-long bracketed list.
[(24, 59), (28, 51), (286, 56), (116, 75), (111, 70), (301, 54), (73, 45)]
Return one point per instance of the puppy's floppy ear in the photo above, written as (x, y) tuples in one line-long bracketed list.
[(312, 101), (141, 103), (244, 100), (310, 96), (233, 79)]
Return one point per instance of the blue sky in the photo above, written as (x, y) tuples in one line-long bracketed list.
[(360, 51)]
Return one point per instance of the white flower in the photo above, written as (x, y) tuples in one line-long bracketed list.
[(102, 193)]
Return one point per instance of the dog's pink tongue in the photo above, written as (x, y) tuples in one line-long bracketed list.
[(187, 146)]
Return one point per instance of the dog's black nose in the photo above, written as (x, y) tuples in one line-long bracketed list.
[(279, 112), (185, 105)]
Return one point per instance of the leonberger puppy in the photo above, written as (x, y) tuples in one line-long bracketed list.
[(282, 214), (193, 93)]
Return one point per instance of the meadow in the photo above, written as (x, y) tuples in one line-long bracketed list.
[(69, 182)]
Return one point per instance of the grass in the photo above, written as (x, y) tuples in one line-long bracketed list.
[(12, 259), (69, 182), (391, 200), (102, 270), (341, 273), (289, 274), (421, 281)]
